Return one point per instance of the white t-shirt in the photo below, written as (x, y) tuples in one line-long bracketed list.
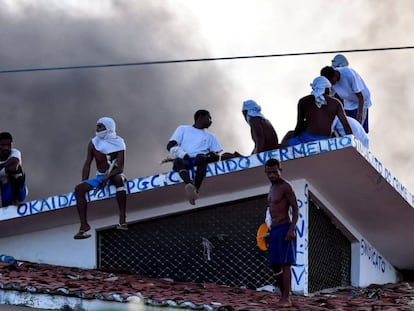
[(195, 141), (356, 127), (349, 83)]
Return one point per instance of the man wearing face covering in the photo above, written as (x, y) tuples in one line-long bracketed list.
[(108, 151), (262, 131), (316, 112)]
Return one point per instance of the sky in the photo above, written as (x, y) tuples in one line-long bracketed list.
[(52, 114)]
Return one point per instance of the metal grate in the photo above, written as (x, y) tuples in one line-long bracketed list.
[(329, 253), (215, 244)]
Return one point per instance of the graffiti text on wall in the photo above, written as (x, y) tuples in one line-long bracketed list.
[(170, 178), (373, 256), (386, 174)]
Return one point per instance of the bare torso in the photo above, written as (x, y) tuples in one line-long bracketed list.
[(279, 203), (101, 160), (263, 134), (318, 121)]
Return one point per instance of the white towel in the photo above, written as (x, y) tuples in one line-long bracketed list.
[(339, 61), (253, 109), (107, 141), (319, 85)]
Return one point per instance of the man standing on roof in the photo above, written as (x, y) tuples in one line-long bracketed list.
[(108, 150), (316, 112), (13, 188), (348, 85), (262, 131), (193, 145), (282, 238)]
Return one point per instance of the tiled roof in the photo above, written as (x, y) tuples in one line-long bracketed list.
[(110, 286)]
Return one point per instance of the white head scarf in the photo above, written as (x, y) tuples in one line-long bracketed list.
[(319, 85), (253, 109), (339, 61), (107, 141)]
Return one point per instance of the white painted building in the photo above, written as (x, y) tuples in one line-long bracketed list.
[(355, 220)]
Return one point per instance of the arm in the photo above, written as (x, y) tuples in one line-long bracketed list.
[(300, 122), (87, 165), (171, 144), (291, 198), (11, 165), (176, 151), (360, 106), (342, 117)]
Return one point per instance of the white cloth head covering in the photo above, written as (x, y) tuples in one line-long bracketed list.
[(319, 85), (339, 61), (107, 141), (253, 109)]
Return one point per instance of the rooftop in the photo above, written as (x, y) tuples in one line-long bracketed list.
[(27, 278)]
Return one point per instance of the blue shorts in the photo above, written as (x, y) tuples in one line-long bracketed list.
[(94, 182), (7, 196), (281, 251), (305, 137), (354, 113)]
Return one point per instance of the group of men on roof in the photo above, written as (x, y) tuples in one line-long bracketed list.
[(338, 105)]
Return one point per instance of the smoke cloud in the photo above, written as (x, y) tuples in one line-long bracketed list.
[(52, 114)]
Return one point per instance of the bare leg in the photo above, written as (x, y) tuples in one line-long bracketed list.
[(121, 200), (81, 204), (179, 166), (201, 163), (119, 183), (284, 281)]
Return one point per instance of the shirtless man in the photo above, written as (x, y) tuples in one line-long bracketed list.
[(108, 150), (262, 131), (13, 188), (282, 238), (316, 112)]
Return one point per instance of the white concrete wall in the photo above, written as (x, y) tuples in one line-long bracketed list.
[(300, 271), (57, 246), (368, 266), (374, 268)]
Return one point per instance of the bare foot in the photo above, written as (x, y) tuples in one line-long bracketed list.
[(285, 303)]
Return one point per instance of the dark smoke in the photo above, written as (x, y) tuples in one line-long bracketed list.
[(52, 114)]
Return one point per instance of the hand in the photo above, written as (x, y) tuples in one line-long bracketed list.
[(213, 155), (290, 235)]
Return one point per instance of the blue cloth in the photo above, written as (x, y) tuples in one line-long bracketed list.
[(354, 113), (94, 182), (305, 137), (281, 251), (7, 196)]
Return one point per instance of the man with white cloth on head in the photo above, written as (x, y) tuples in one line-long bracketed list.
[(108, 150), (316, 113), (262, 131)]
